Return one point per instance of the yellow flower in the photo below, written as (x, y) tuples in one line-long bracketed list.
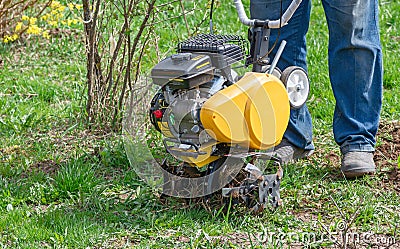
[(18, 27), (72, 21), (25, 18), (32, 20), (46, 35), (61, 8), (78, 6), (55, 4), (59, 16), (10, 38), (52, 23), (71, 6), (45, 17), (34, 30), (6, 38)]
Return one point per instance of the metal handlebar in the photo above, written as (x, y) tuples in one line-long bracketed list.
[(274, 24)]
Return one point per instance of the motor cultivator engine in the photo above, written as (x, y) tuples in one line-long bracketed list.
[(201, 68), (205, 111)]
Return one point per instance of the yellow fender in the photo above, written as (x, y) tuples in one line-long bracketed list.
[(253, 112)]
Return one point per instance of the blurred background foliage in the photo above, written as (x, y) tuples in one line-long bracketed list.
[(27, 19)]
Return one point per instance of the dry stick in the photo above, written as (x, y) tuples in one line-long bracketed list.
[(138, 72), (330, 234), (340, 211), (131, 51), (15, 5), (110, 66), (127, 77), (142, 27), (98, 39), (122, 68), (156, 47), (98, 79), (45, 6), (89, 64), (122, 65), (94, 43), (141, 55), (121, 11), (352, 220), (347, 224), (345, 221), (184, 17), (90, 28), (117, 48)]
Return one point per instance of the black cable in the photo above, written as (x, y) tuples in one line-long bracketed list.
[(211, 14), (211, 9)]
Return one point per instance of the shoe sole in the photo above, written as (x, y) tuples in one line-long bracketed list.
[(352, 175), (293, 159), (303, 155)]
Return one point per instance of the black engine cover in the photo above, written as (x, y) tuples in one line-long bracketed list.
[(183, 70)]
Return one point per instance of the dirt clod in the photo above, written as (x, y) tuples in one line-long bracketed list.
[(388, 152)]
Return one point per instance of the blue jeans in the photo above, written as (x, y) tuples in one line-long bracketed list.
[(355, 68)]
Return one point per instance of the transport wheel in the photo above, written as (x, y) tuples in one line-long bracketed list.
[(297, 85)]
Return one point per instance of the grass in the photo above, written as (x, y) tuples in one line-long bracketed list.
[(62, 186)]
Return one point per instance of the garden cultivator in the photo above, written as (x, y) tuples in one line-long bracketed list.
[(223, 126)]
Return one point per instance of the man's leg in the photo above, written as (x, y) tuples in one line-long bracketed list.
[(299, 131), (355, 66)]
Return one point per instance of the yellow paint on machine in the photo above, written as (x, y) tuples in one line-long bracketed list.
[(252, 112), (204, 159), (202, 65), (165, 129), (201, 160), (197, 57)]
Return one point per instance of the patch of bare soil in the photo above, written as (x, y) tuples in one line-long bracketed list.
[(388, 152), (49, 167)]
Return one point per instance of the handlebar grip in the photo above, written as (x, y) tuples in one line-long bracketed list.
[(274, 24), (286, 16), (242, 14)]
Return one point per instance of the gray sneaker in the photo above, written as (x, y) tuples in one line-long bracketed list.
[(358, 163), (286, 152)]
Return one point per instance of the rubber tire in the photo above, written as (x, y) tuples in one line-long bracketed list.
[(284, 78)]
